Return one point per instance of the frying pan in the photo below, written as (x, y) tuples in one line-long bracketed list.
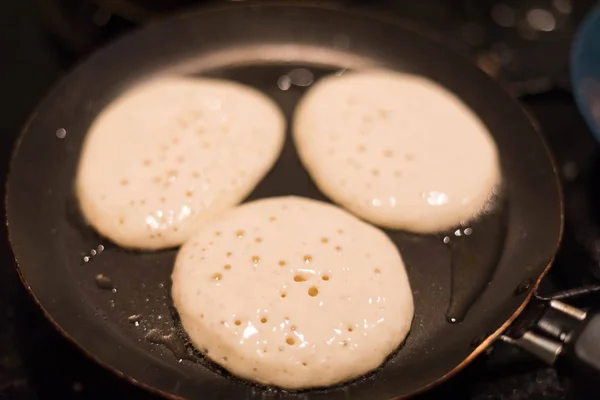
[(467, 288)]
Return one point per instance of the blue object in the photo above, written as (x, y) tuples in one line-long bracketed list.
[(585, 70)]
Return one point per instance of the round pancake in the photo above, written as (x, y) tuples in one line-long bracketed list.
[(292, 292), (171, 152), (397, 150)]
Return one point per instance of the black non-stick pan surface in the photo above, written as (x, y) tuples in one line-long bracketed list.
[(125, 320)]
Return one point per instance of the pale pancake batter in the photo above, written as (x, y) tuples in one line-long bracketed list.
[(172, 152), (397, 150), (293, 292)]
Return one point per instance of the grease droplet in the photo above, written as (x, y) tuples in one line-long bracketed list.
[(104, 282), (170, 341), (301, 77), (134, 318), (61, 133)]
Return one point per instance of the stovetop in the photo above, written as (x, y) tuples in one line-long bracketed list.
[(524, 43)]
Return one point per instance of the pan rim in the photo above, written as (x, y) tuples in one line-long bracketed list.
[(203, 10)]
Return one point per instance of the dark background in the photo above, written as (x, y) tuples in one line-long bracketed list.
[(38, 45)]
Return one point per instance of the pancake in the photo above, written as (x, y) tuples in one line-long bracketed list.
[(292, 292), (172, 152), (397, 150)]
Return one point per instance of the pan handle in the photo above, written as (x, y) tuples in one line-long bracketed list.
[(568, 337)]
